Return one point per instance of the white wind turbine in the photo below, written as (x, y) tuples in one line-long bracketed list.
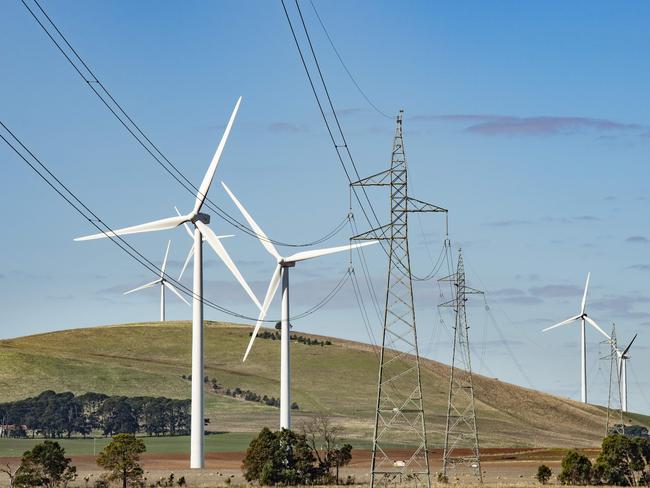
[(622, 369), (584, 318), (282, 271), (162, 281), (200, 222)]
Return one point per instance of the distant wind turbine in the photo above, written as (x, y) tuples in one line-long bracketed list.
[(623, 357), (200, 222), (282, 271), (162, 281), (583, 317)]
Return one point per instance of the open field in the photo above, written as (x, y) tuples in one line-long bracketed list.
[(149, 359), (501, 467)]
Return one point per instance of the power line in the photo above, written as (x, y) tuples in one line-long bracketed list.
[(338, 55), (89, 215), (117, 110)]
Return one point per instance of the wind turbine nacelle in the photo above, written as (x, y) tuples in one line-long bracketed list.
[(201, 217)]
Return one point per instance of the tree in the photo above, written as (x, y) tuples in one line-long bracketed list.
[(576, 469), (543, 474), (324, 439), (281, 457), (622, 461), (120, 457), (45, 465)]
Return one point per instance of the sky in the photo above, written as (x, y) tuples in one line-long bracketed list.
[(527, 121)]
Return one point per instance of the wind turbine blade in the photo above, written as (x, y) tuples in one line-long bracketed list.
[(162, 224), (164, 264), (187, 227), (215, 243), (625, 351), (564, 322), (148, 285), (209, 175), (266, 242), (173, 289), (270, 292), (596, 326), (301, 256), (187, 261), (584, 296)]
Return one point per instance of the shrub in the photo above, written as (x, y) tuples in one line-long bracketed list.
[(576, 469), (543, 474), (281, 457)]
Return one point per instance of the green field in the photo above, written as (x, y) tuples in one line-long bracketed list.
[(337, 380), (224, 442)]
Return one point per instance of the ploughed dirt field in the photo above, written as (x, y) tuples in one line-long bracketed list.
[(500, 466)]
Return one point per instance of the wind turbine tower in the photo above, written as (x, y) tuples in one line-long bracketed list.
[(623, 357), (399, 413), (163, 283), (461, 431)]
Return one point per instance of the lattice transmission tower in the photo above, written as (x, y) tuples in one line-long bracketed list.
[(399, 414), (614, 423), (461, 434)]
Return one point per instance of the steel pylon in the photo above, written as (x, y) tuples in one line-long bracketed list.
[(399, 413), (614, 423), (461, 434)]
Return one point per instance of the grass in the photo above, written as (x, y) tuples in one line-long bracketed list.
[(337, 380), (222, 442)]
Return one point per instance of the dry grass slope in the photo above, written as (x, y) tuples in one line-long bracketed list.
[(337, 380)]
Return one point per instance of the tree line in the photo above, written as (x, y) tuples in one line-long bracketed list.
[(240, 393), (56, 415), (276, 336)]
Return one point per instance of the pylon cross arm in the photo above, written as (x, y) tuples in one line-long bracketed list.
[(415, 205), (383, 178)]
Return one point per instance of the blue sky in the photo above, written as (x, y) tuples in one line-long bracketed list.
[(529, 122)]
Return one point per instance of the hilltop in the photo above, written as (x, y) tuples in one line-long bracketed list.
[(338, 380)]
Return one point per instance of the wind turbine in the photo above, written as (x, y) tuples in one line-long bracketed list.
[(200, 222), (622, 367), (584, 318), (162, 281), (282, 271)]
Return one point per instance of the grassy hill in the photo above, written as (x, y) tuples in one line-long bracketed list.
[(337, 380)]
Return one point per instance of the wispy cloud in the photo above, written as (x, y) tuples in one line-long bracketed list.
[(637, 240), (514, 296), (640, 267), (491, 124), (522, 300), (508, 223), (555, 291), (623, 306), (286, 127)]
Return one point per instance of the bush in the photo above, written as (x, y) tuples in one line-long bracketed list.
[(543, 474), (576, 469), (281, 457), (45, 465)]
